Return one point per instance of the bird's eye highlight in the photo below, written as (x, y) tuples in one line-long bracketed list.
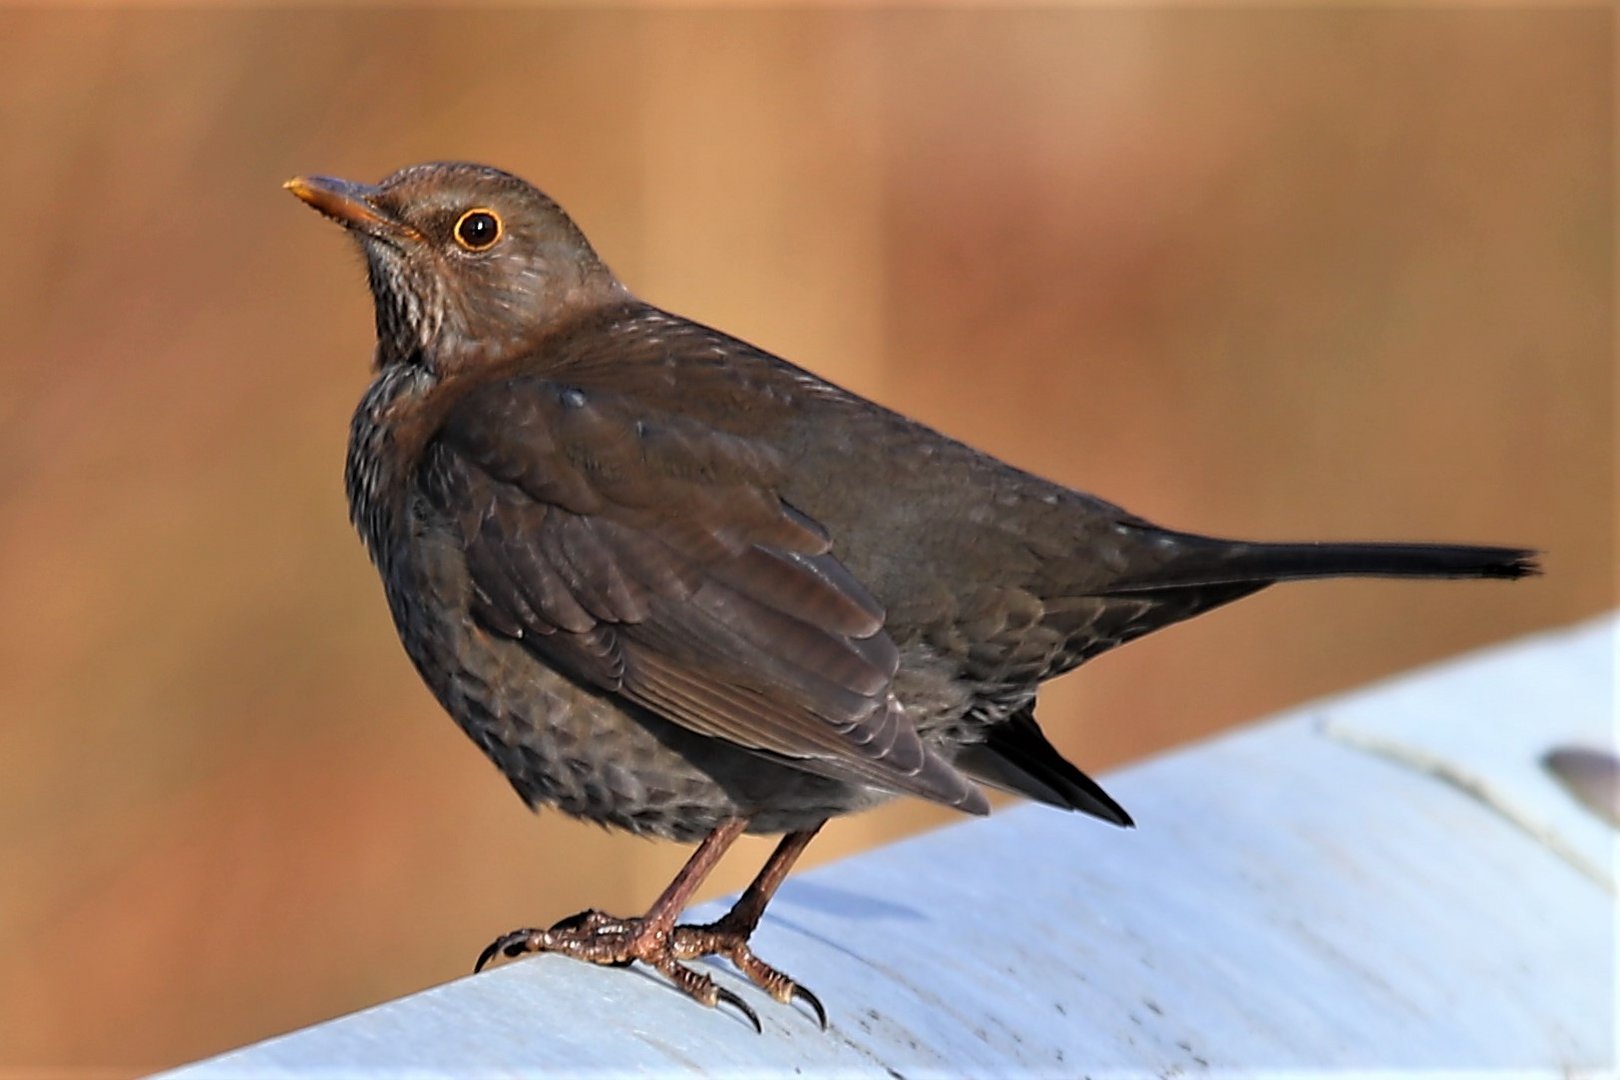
[(477, 230)]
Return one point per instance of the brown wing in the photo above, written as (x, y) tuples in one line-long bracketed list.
[(647, 554)]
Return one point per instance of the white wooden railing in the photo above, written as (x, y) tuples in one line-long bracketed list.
[(1390, 880)]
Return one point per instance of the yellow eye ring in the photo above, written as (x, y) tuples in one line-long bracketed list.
[(478, 229)]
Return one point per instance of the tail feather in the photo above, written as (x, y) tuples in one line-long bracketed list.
[(1016, 756), (1181, 559)]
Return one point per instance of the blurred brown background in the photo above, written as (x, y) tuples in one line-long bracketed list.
[(1283, 274)]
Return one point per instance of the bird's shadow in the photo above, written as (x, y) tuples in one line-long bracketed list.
[(814, 896), (844, 903)]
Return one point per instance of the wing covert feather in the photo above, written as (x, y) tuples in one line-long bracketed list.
[(651, 557)]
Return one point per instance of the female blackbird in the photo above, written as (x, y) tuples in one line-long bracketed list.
[(672, 583)]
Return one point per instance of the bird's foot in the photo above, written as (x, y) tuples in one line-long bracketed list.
[(599, 938), (730, 940)]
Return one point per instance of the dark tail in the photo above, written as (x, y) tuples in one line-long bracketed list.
[(1015, 756), (1178, 560)]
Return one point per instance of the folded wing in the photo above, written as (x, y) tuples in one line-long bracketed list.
[(649, 556)]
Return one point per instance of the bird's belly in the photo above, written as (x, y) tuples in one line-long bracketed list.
[(564, 744)]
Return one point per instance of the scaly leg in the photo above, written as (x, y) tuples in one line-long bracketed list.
[(728, 936), (600, 938)]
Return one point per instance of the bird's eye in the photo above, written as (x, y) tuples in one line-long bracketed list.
[(477, 230)]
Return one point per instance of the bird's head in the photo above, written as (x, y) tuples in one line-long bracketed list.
[(465, 261)]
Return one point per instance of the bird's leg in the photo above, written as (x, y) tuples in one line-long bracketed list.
[(600, 938), (728, 935)]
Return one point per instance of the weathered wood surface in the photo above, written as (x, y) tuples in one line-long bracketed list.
[(1390, 880)]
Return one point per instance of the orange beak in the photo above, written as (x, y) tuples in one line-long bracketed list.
[(351, 205)]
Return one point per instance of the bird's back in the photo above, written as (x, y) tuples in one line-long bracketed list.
[(997, 575), (1000, 574)]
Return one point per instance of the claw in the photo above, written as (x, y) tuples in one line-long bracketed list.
[(511, 943), (801, 994), (720, 939), (721, 994)]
